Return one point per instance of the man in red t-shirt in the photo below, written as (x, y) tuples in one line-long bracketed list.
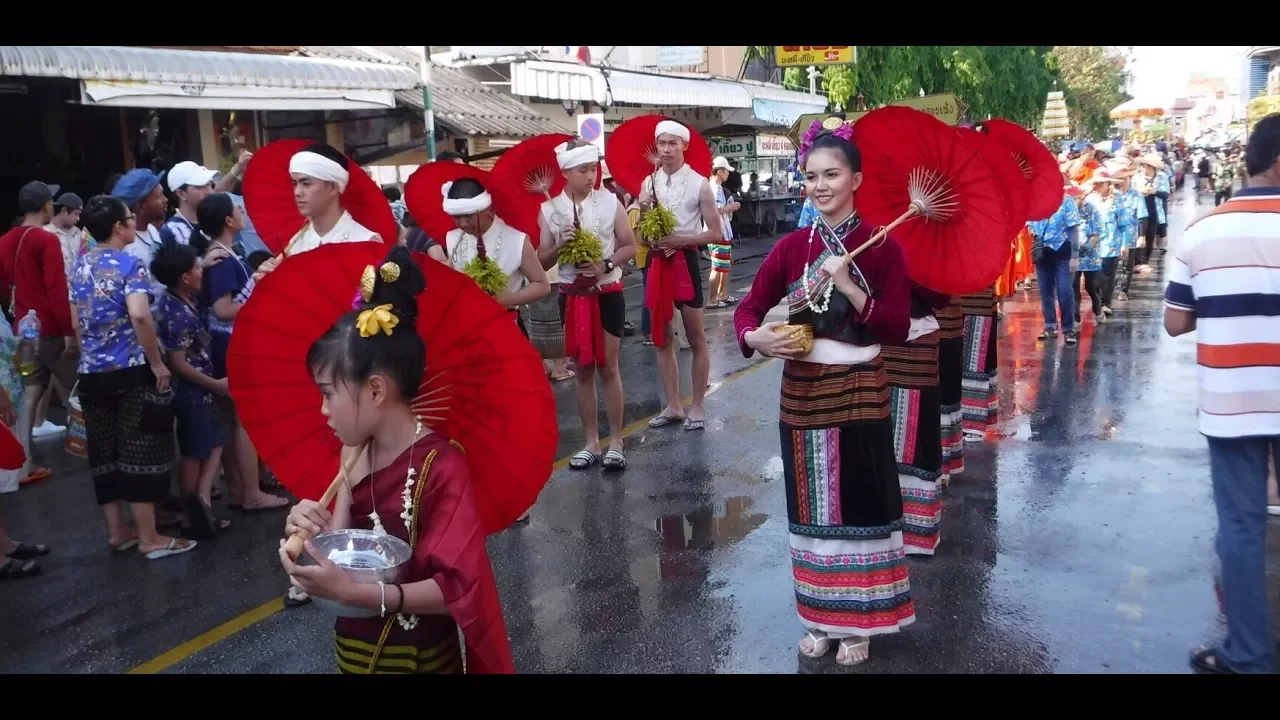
[(33, 277)]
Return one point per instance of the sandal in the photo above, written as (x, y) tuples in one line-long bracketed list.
[(1047, 335), (853, 651), (295, 598), (19, 569), (583, 460), (566, 375), (175, 547), (614, 460), (129, 544), (37, 475), (663, 420), (692, 425), (820, 647), (1206, 660), (28, 552)]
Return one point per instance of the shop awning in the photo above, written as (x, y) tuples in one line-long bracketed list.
[(194, 79), (578, 83)]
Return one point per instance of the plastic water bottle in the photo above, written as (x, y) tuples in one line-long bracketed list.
[(29, 343)]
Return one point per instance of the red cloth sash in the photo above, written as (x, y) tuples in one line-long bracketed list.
[(669, 281), (583, 333)]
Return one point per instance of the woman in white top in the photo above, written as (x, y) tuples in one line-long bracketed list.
[(481, 233), (591, 301)]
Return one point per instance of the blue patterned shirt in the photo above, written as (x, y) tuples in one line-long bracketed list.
[(1056, 229), (1127, 204), (179, 327), (808, 214), (1090, 227), (1110, 239), (100, 283)]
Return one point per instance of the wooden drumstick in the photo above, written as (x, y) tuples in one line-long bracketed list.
[(295, 545)]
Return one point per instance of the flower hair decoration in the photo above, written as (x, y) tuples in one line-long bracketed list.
[(836, 126), (378, 319)]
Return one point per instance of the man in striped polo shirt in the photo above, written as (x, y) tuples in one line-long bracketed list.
[(1225, 283)]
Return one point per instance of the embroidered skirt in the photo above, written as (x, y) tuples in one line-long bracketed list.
[(915, 408), (546, 331), (950, 381), (980, 385), (432, 647), (844, 504)]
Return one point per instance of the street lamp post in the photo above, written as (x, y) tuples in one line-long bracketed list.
[(428, 117)]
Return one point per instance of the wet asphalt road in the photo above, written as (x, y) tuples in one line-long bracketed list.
[(1078, 541)]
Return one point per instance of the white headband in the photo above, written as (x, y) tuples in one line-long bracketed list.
[(671, 127), (577, 157), (319, 167), (464, 206)]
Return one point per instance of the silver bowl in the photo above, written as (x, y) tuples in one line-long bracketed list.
[(366, 557)]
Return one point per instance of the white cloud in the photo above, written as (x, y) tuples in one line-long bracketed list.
[(1162, 71)]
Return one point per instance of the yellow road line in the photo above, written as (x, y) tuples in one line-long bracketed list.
[(181, 652), (222, 632)]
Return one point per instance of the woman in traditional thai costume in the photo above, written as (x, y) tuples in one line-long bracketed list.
[(915, 403), (980, 386), (951, 386), (497, 256), (844, 504), (414, 485)]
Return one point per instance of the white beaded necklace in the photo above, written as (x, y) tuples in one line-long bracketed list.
[(684, 186), (824, 303), (595, 211), (474, 246), (411, 621)]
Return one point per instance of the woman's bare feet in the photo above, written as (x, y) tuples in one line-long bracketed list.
[(264, 501)]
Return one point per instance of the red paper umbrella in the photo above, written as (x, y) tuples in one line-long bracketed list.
[(915, 166), (12, 456), (1009, 176), (268, 196), (1037, 163), (530, 173), (425, 202), (632, 152), (483, 386)]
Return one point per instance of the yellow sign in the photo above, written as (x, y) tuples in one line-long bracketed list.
[(947, 107), (801, 55)]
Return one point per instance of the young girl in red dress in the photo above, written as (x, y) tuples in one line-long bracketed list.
[(413, 484)]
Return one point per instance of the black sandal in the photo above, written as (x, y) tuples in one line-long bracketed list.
[(28, 552), (1206, 660), (614, 460), (583, 460), (293, 601), (14, 569)]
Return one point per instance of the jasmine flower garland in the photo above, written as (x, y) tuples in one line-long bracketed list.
[(583, 247), (656, 224)]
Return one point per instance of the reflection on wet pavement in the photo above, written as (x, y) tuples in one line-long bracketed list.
[(1079, 539)]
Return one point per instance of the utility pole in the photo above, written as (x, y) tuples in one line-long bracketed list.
[(814, 74), (429, 117)]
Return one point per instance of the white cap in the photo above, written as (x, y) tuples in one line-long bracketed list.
[(189, 173), (720, 164)]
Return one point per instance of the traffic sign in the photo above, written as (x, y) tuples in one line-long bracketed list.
[(591, 129)]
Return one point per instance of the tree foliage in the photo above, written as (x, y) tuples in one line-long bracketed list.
[(1094, 78)]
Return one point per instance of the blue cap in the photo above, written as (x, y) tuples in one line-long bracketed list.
[(135, 185)]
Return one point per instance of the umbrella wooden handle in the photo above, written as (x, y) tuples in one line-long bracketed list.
[(911, 212), (294, 546)]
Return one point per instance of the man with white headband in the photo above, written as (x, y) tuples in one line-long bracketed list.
[(688, 195), (320, 174), (480, 234), (591, 304)]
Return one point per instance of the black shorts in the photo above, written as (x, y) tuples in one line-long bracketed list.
[(52, 361), (613, 312), (691, 257)]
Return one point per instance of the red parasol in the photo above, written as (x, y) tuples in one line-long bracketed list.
[(12, 456), (1037, 163), (1009, 176), (268, 196), (484, 384), (632, 152), (532, 175), (914, 165), (426, 204)]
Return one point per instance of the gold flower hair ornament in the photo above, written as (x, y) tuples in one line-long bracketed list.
[(389, 271), (378, 319)]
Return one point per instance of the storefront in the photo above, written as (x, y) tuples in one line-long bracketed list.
[(769, 191)]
